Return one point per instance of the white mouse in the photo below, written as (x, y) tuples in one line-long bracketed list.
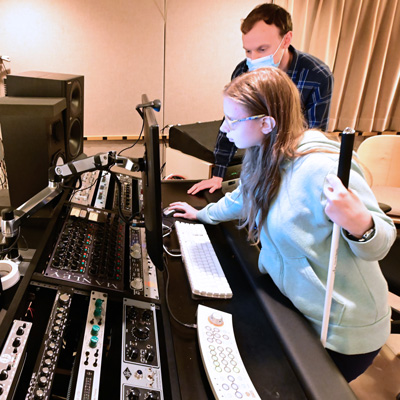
[(169, 212)]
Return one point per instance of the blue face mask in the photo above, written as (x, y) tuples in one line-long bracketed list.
[(267, 61)]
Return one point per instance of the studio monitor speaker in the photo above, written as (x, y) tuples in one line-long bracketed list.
[(48, 84), (33, 140)]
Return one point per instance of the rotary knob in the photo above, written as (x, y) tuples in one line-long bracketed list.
[(64, 298), (20, 330), (132, 313), (146, 316), (47, 362), (149, 355), (52, 345), (136, 251), (133, 353), (49, 353), (98, 303), (95, 330), (55, 330), (133, 394), (216, 319), (3, 374), (42, 381), (141, 331), (93, 341), (137, 284)]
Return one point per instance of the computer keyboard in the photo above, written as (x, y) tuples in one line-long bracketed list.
[(204, 271)]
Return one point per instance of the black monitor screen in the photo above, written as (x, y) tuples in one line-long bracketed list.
[(151, 186)]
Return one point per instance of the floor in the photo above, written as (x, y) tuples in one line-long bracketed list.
[(381, 381)]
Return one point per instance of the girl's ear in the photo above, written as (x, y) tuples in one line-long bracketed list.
[(267, 124)]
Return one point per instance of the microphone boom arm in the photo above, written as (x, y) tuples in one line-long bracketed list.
[(12, 219)]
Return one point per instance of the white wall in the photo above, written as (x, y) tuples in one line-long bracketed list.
[(119, 47), (203, 46)]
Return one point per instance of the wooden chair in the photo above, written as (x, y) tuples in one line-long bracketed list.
[(381, 156)]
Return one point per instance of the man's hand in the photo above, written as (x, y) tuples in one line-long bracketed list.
[(345, 209), (213, 184), (183, 210)]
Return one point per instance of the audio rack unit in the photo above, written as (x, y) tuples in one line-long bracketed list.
[(43, 375), (85, 194), (88, 382), (101, 196), (90, 249), (142, 272), (140, 366), (90, 263), (12, 358)]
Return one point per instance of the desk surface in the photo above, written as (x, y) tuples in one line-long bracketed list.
[(280, 351), (280, 364)]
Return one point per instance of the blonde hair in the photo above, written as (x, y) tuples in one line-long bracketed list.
[(267, 91)]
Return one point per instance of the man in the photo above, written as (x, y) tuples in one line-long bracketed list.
[(266, 37)]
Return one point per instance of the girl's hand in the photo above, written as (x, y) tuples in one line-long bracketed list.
[(183, 210), (345, 209)]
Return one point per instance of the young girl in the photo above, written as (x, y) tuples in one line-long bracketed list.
[(288, 197)]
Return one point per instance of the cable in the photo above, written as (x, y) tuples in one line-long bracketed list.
[(193, 326), (162, 168), (4, 251), (171, 254), (4, 174), (22, 237), (74, 188), (137, 140), (169, 229)]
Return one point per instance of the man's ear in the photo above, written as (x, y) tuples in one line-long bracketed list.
[(267, 124), (288, 39)]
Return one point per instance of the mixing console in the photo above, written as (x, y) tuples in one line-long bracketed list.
[(90, 249)]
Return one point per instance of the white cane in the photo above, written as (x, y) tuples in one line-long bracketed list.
[(346, 152)]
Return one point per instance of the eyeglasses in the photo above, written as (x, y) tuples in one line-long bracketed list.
[(232, 122)]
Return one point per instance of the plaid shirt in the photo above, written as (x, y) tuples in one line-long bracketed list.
[(314, 80)]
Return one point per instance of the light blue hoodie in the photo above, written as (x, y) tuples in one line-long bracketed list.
[(295, 248)]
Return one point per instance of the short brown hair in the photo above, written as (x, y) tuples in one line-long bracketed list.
[(271, 14)]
